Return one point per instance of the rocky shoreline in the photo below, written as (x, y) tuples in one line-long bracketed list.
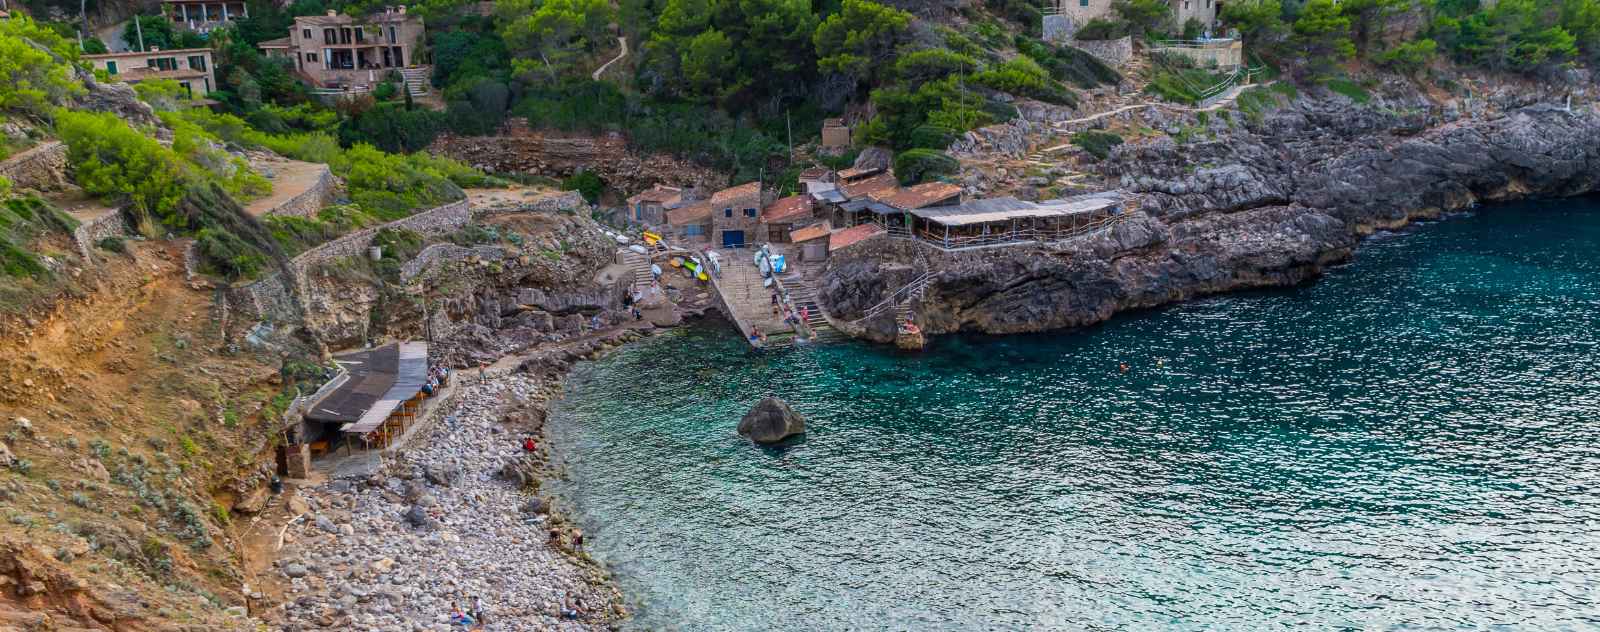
[(455, 516), (1268, 202)]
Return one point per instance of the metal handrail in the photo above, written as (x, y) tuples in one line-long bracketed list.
[(915, 287)]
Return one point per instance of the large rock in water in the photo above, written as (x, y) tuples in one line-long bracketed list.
[(771, 421)]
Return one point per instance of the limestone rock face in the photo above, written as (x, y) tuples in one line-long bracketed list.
[(771, 421), (1263, 203)]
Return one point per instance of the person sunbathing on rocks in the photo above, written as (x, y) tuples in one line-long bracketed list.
[(458, 617), (528, 444)]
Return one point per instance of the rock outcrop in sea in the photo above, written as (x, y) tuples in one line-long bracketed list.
[(1264, 202), (771, 420)]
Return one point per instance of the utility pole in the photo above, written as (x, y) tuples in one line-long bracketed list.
[(139, 28), (83, 21), (789, 124)]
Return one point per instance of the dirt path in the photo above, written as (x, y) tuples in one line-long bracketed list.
[(289, 179), (624, 42)]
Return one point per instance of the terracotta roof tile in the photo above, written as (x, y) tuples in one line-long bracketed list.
[(816, 174), (691, 214), (788, 209), (728, 195), (658, 194), (819, 229), (852, 236)]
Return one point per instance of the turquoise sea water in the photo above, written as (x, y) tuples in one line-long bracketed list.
[(1410, 442)]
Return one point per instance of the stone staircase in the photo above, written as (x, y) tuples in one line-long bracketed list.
[(416, 79), (640, 266), (804, 297), (750, 300)]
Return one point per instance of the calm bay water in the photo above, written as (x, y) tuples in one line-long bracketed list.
[(1410, 442)]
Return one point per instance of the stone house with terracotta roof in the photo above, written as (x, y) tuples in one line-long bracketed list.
[(786, 214), (736, 216), (650, 206), (690, 222)]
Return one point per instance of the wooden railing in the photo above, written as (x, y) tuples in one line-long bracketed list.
[(1017, 237)]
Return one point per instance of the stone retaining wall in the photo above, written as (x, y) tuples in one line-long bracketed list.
[(1114, 52), (91, 232), (41, 167), (270, 298), (446, 252), (309, 201)]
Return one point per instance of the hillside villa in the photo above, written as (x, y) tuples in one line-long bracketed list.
[(190, 67)]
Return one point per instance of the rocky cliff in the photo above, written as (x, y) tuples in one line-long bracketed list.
[(1271, 199)]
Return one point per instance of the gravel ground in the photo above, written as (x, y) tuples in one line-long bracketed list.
[(447, 521)]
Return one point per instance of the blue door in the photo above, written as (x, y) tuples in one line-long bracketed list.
[(733, 239)]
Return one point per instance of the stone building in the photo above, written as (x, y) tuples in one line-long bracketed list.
[(736, 215), (1063, 18), (201, 16), (835, 134), (190, 67), (342, 51), (650, 206), (785, 215), (690, 222)]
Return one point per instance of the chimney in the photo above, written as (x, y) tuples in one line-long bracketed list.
[(332, 13)]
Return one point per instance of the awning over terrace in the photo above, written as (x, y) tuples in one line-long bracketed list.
[(1005, 209), (380, 380)]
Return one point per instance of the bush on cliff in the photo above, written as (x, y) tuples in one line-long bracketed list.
[(922, 165), (33, 80), (1098, 144)]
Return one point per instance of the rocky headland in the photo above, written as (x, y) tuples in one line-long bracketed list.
[(1264, 200)]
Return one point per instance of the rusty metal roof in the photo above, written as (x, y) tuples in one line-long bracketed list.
[(870, 185), (808, 233), (788, 209), (854, 235), (919, 196)]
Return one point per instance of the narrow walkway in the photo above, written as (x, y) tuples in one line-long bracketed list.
[(745, 294), (624, 53), (1228, 97), (290, 178)]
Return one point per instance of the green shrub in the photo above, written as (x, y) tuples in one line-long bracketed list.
[(922, 165), (932, 137), (33, 80), (1099, 144), (113, 244), (385, 91), (227, 254), (1348, 88), (1102, 29), (587, 183), (393, 127), (111, 160)]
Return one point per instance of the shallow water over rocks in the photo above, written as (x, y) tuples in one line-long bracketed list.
[(1408, 441)]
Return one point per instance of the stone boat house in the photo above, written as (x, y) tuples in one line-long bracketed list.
[(736, 216)]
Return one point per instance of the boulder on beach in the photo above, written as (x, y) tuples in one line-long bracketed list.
[(771, 421)]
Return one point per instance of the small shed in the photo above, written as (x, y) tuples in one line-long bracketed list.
[(835, 134), (813, 240)]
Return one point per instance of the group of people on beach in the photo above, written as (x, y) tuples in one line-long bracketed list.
[(473, 619), (437, 377)]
